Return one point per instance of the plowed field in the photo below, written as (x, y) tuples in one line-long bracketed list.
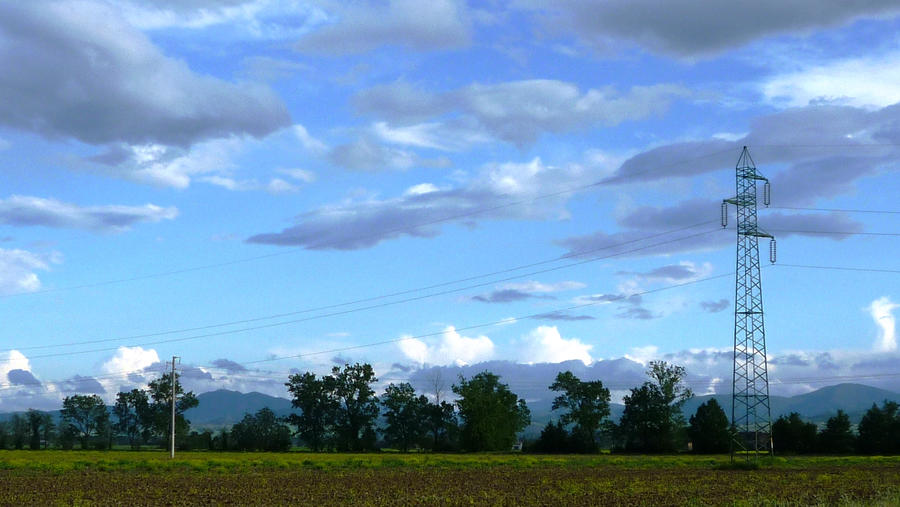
[(303, 479)]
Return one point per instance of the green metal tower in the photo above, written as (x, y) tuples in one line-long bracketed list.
[(750, 413)]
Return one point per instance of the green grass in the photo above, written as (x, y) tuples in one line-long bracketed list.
[(63, 461)]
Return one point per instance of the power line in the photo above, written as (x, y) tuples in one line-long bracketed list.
[(839, 268), (369, 307), (836, 210)]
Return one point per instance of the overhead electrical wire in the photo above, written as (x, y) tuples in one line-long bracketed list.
[(390, 303)]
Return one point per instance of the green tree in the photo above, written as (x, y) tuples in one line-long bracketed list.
[(652, 420), (133, 416), (84, 417), (406, 415), (709, 429), (262, 431), (442, 426), (159, 417), (879, 429), (586, 406), (48, 428), (554, 439), (837, 437), (35, 420), (792, 434), (315, 398), (4, 434), (357, 408), (19, 426), (491, 414)]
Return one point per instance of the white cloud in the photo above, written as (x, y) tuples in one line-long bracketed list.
[(301, 175), (644, 354), (130, 359), (544, 344), (358, 27), (881, 311), (30, 211), (18, 270), (518, 112), (422, 135), (309, 143), (453, 348), (83, 72), (13, 360), (863, 82), (693, 28)]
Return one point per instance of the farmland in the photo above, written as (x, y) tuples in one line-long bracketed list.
[(86, 478)]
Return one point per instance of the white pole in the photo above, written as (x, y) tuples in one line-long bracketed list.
[(172, 441)]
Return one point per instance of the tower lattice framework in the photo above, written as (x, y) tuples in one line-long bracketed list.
[(750, 413)]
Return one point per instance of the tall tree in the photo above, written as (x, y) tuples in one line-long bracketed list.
[(357, 408), (652, 420), (793, 435), (35, 420), (84, 417), (406, 415), (837, 437), (586, 406), (879, 429), (442, 426), (160, 413), (709, 429), (315, 398), (133, 416), (491, 414), (48, 428), (262, 431), (19, 426)]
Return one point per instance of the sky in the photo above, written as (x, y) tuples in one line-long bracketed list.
[(262, 187)]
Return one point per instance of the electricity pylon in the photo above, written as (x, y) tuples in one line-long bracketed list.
[(750, 413)]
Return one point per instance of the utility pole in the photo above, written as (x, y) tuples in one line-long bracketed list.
[(172, 436), (750, 412)]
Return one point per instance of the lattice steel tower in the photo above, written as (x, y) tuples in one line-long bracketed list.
[(750, 412)]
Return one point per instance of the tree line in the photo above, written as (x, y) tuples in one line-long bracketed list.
[(341, 412)]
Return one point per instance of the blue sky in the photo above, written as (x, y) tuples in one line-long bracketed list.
[(263, 186)]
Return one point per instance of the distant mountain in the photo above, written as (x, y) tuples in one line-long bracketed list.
[(816, 406), (224, 407)]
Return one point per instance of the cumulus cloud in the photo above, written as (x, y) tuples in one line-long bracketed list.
[(130, 359), (517, 111), (81, 385), (544, 344), (826, 147), (362, 223), (229, 365), (699, 27), (861, 82), (360, 27), (84, 73), (23, 211), (644, 354), (881, 311), (22, 378), (453, 348), (18, 270)]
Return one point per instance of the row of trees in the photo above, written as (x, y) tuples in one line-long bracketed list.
[(878, 433), (652, 420), (139, 416), (340, 411)]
